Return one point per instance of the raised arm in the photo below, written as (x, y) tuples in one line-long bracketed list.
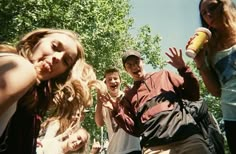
[(99, 117), (17, 76), (189, 79), (125, 116)]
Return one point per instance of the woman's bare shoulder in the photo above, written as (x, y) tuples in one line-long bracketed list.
[(16, 63), (16, 71)]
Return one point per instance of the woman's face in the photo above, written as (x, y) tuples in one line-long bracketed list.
[(77, 140), (53, 55), (211, 11)]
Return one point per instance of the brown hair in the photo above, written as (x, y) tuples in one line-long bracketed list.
[(111, 70), (42, 96)]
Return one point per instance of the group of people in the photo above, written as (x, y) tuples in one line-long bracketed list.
[(55, 80), (147, 117)]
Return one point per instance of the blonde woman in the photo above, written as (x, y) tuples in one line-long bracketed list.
[(70, 141), (36, 78)]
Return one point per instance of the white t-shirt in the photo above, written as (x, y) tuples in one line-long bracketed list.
[(120, 142), (50, 146), (52, 129)]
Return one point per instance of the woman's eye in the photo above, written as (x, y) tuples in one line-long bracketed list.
[(212, 8), (65, 61), (203, 13), (55, 47)]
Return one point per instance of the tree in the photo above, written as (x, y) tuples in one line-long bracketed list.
[(103, 26)]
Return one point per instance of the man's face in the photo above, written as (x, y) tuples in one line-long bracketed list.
[(113, 82), (134, 66)]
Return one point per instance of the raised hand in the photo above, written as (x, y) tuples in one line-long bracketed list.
[(106, 100), (176, 58), (96, 147)]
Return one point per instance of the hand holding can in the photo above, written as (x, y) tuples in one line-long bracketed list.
[(200, 37)]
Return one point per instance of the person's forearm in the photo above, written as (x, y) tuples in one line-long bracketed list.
[(210, 80), (99, 114), (190, 84), (125, 121)]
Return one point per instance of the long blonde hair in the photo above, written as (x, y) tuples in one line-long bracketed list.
[(41, 96), (7, 48), (76, 94)]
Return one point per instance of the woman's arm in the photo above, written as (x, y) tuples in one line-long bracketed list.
[(208, 75), (190, 81), (210, 80), (17, 76)]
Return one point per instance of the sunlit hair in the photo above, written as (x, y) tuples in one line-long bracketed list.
[(40, 97), (29, 41), (7, 48), (75, 95)]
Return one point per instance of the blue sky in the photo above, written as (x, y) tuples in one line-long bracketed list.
[(173, 20)]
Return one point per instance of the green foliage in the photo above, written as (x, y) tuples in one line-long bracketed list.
[(102, 25)]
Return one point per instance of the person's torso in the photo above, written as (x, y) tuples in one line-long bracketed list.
[(224, 63), (155, 84), (123, 143)]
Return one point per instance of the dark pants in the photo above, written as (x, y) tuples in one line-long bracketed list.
[(135, 152), (230, 130)]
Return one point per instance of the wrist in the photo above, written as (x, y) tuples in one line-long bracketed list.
[(183, 69)]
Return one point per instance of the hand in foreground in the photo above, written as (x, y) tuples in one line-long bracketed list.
[(105, 100), (96, 147), (39, 143), (108, 101), (176, 58)]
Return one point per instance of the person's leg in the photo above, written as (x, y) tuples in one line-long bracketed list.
[(194, 144), (230, 130)]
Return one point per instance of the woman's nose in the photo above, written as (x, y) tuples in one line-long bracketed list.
[(56, 57), (55, 60)]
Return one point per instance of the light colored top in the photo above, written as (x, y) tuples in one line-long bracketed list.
[(50, 146), (225, 66), (6, 116), (120, 142), (11, 89), (52, 129)]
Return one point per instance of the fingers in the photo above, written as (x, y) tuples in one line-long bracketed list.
[(168, 55), (175, 52), (180, 52)]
